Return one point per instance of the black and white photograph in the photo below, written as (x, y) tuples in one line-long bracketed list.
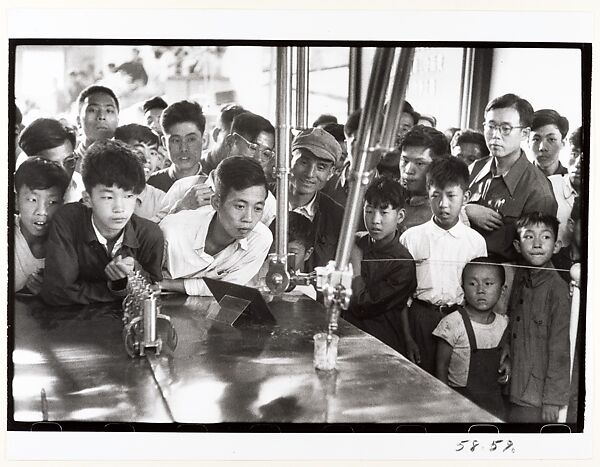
[(258, 236)]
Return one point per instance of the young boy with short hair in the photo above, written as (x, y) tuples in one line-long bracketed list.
[(40, 185), (470, 339), (153, 109), (419, 147), (223, 241), (384, 271), (93, 246), (539, 311), (145, 143), (441, 248)]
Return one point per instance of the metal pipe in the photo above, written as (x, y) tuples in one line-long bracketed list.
[(354, 81), (302, 77), (391, 121), (466, 86), (368, 135), (284, 114), (337, 289), (278, 276)]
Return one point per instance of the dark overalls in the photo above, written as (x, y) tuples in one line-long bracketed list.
[(482, 383)]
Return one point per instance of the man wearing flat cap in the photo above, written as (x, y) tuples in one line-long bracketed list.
[(314, 156)]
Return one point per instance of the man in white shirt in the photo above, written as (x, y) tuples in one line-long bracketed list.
[(223, 241)]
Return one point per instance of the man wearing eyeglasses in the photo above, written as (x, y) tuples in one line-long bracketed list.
[(51, 140), (506, 185), (251, 136)]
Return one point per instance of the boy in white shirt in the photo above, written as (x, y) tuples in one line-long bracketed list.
[(441, 248), (224, 241)]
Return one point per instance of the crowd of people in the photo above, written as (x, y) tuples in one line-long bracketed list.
[(461, 263)]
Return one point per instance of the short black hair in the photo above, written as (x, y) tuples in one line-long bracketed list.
[(485, 261), (522, 106), (300, 229), (448, 171), (96, 89), (156, 102), (324, 118), (385, 191), (45, 133), (250, 125), (183, 111), (576, 209), (112, 163), (238, 173), (575, 138), (537, 218), (228, 113), (352, 123), (133, 131), (550, 117), (336, 130), (428, 138), (473, 137), (406, 108), (38, 173)]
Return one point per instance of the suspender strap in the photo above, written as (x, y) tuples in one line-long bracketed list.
[(469, 328)]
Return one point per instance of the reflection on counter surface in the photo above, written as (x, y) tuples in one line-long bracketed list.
[(70, 365)]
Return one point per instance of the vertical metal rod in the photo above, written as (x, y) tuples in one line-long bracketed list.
[(391, 121), (466, 86), (354, 81), (302, 77), (368, 135), (283, 122)]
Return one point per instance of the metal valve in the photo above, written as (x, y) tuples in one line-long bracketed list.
[(141, 312)]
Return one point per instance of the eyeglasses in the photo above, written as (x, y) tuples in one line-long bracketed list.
[(263, 152), (505, 129), (70, 162)]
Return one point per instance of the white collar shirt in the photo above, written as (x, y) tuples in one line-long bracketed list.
[(185, 256), (104, 242), (440, 256), (308, 210)]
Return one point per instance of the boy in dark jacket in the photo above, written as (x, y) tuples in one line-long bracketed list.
[(93, 246), (384, 270), (539, 311)]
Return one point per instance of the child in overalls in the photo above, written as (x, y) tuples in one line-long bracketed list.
[(469, 348)]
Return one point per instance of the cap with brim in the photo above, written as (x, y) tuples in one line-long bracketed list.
[(320, 143)]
